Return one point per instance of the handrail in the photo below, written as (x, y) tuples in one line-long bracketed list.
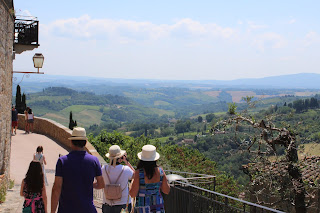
[(190, 173), (227, 196)]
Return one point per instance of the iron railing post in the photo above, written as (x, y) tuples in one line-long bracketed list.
[(226, 205), (190, 200)]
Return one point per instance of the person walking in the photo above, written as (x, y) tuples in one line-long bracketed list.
[(14, 120), (74, 178), (30, 121), (115, 173), (148, 180), (26, 120), (38, 156), (33, 189)]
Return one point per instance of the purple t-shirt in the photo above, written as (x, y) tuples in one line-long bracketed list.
[(78, 170)]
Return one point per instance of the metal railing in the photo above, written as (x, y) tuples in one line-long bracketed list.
[(186, 197), (26, 31)]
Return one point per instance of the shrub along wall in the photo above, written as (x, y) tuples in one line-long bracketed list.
[(57, 132)]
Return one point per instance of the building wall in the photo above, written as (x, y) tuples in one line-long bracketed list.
[(57, 132), (6, 47)]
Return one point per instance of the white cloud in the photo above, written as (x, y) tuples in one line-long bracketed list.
[(253, 26), (311, 38), (239, 22), (23, 13), (269, 40), (85, 27), (292, 21)]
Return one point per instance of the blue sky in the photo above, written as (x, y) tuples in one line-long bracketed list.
[(219, 40)]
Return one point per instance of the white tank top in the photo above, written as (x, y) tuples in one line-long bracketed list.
[(30, 116), (39, 157)]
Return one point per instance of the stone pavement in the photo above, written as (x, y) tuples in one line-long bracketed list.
[(23, 146)]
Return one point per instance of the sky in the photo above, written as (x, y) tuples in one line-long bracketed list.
[(174, 39)]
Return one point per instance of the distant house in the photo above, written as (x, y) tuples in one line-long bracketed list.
[(172, 121), (187, 141)]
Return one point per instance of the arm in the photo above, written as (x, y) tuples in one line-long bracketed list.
[(21, 189), (128, 163), (134, 189), (56, 191), (165, 187), (34, 156), (100, 183), (44, 197), (44, 160)]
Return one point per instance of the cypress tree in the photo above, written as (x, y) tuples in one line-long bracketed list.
[(71, 122), (23, 102), (18, 100)]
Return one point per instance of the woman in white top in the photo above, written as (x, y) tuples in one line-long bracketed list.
[(38, 156), (30, 120), (115, 173)]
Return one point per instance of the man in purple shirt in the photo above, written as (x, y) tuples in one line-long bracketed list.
[(74, 179)]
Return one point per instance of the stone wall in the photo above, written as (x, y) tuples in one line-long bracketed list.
[(6, 48), (57, 132)]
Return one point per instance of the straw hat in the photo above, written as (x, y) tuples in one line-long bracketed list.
[(148, 153), (115, 152), (78, 133)]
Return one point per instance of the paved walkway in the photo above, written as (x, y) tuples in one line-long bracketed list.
[(23, 146)]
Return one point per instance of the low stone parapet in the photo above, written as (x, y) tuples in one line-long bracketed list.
[(57, 132)]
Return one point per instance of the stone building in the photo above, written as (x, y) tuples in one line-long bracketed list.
[(6, 53)]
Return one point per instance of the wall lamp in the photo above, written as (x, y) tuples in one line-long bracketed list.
[(38, 59)]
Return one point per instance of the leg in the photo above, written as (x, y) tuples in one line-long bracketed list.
[(15, 129), (26, 126)]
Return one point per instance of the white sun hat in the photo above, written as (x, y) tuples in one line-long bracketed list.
[(115, 152), (78, 133), (148, 153)]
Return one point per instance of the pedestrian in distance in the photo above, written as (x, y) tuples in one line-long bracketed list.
[(26, 120), (14, 120), (33, 190), (39, 156), (149, 180), (116, 177), (73, 185), (30, 121)]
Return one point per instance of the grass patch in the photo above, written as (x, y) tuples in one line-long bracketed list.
[(161, 103), (3, 193), (309, 149), (11, 184), (85, 115), (161, 112)]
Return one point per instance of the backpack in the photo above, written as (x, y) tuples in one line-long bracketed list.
[(113, 191)]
